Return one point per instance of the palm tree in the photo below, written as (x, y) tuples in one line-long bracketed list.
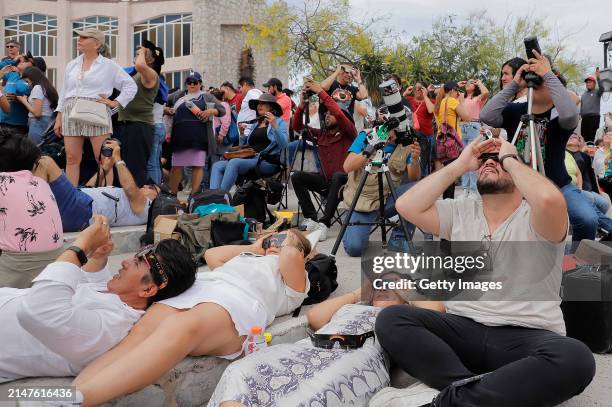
[(24, 235), (374, 71), (3, 215)]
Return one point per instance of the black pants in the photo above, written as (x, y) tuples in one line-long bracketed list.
[(136, 142), (606, 185), (528, 367), (303, 182), (589, 126)]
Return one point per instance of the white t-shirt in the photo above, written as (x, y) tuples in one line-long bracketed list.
[(463, 220), (246, 113), (38, 93), (251, 289), (118, 211)]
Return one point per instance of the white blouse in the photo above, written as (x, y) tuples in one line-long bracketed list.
[(103, 76)]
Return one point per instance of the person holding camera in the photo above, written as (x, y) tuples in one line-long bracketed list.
[(125, 206), (552, 102), (403, 160), (490, 353), (333, 142), (339, 86)]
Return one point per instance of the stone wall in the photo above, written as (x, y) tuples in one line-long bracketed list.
[(218, 40)]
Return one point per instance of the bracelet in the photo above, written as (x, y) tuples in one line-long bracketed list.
[(503, 157), (121, 162)]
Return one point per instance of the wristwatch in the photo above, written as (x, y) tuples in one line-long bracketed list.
[(503, 157), (79, 253)]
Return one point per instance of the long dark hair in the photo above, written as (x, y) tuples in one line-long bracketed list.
[(38, 78), (514, 63), (17, 153)]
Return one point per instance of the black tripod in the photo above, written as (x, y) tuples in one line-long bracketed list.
[(532, 152), (382, 219)]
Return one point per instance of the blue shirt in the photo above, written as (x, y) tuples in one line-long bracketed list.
[(360, 143), (18, 116)]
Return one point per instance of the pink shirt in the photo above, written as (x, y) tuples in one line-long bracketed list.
[(473, 106), (29, 218), (223, 123), (285, 103)]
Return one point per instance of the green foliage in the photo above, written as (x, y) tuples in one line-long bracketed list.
[(319, 35)]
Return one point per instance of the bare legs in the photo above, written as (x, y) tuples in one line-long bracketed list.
[(74, 154), (176, 174), (206, 329)]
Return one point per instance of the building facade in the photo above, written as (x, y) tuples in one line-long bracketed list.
[(200, 35)]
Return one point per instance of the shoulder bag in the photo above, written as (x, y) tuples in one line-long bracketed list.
[(240, 152), (88, 111)]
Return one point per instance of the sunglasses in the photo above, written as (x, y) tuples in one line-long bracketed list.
[(192, 83), (276, 240), (11, 46), (328, 341), (488, 156), (158, 270)]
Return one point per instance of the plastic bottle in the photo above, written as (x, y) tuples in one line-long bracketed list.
[(255, 340), (193, 108), (268, 338)]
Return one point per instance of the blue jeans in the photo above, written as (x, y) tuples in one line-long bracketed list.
[(37, 127), (74, 205), (470, 131), (356, 238), (225, 173), (583, 214), (154, 163), (293, 146), (598, 200)]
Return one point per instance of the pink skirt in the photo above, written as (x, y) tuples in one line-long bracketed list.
[(189, 158)]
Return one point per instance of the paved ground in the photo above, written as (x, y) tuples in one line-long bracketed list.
[(599, 393)]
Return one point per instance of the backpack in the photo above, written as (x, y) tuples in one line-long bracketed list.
[(323, 277), (233, 133), (209, 196), (196, 232), (166, 203), (448, 145)]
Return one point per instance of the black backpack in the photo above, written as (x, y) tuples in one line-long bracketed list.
[(208, 196), (323, 277), (166, 203)]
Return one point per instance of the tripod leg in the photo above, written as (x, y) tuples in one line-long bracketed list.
[(516, 133), (402, 221), (535, 145), (345, 224), (381, 202)]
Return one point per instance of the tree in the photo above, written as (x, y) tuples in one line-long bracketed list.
[(314, 38)]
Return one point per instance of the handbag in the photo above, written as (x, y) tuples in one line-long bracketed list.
[(89, 111), (448, 145), (240, 152)]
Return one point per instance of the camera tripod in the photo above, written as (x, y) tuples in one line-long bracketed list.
[(382, 220), (528, 123)]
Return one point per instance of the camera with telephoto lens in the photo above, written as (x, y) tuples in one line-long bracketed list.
[(531, 44), (404, 133)]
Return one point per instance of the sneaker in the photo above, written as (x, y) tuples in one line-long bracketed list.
[(309, 225), (417, 395), (323, 228)]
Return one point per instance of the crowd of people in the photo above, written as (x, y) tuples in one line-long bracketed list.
[(68, 314)]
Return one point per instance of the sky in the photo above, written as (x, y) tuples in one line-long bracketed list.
[(590, 18)]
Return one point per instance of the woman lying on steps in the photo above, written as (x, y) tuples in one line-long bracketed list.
[(300, 374), (248, 285)]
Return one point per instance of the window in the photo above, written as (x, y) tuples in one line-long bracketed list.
[(108, 25), (36, 32), (171, 32), (176, 79)]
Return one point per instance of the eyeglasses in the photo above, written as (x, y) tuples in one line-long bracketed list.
[(147, 254), (327, 341), (488, 156)]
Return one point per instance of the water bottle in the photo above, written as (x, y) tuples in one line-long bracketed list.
[(193, 108), (255, 340)]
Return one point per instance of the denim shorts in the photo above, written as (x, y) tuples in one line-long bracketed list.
[(74, 205)]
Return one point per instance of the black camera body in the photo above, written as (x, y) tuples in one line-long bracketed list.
[(107, 151), (531, 43)]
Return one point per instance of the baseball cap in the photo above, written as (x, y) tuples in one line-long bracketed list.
[(91, 33), (194, 76), (274, 82), (591, 78)]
